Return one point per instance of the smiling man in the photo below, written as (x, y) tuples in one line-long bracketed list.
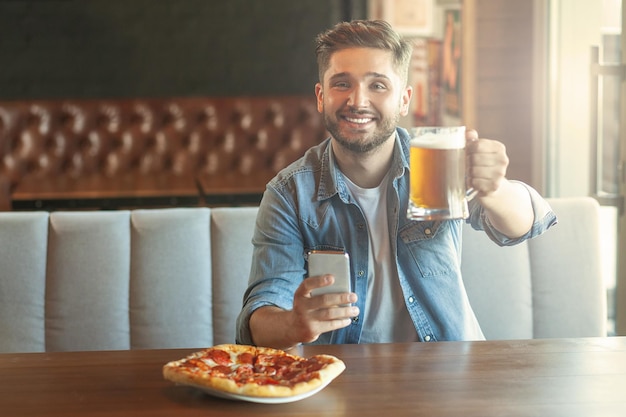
[(350, 194)]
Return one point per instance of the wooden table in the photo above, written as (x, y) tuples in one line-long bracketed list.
[(98, 192), (550, 377)]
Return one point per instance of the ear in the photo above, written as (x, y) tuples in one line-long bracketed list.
[(405, 100), (320, 97)]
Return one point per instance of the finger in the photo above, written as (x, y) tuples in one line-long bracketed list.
[(487, 153), (330, 319), (330, 325), (312, 323), (336, 299), (484, 186), (304, 302), (488, 146), (487, 165), (471, 135), (313, 331), (314, 282)]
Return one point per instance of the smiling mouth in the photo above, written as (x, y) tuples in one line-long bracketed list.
[(361, 120), (358, 120)]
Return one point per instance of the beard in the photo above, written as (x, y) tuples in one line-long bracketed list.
[(361, 142)]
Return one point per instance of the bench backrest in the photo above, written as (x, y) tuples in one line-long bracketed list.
[(162, 278)]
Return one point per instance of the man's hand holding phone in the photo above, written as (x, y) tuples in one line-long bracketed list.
[(321, 303), (313, 315)]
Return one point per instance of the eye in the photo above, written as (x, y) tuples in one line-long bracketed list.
[(341, 84), (379, 86)]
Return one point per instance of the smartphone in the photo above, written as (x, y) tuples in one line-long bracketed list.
[(330, 262)]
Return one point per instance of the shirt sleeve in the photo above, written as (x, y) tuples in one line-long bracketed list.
[(544, 218), (277, 262)]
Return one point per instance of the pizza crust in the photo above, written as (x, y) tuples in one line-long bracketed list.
[(178, 372)]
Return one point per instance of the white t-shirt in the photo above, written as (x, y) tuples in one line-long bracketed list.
[(386, 317)]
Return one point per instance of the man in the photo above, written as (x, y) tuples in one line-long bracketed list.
[(350, 193)]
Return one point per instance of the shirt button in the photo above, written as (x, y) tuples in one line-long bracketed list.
[(411, 300), (427, 338), (427, 231), (361, 273), (355, 320)]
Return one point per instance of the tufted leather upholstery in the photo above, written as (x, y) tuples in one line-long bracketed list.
[(111, 138)]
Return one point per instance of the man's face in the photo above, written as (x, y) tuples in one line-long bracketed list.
[(362, 98)]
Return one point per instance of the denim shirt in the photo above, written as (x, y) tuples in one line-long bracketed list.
[(307, 206)]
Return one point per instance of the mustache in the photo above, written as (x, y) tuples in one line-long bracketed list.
[(353, 111)]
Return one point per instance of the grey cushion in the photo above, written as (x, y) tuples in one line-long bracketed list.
[(550, 286), (23, 246), (87, 281), (499, 285), (569, 295), (231, 235), (171, 280)]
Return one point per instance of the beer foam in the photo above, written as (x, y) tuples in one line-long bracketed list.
[(438, 137)]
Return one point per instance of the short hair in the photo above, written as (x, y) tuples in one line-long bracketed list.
[(363, 34)]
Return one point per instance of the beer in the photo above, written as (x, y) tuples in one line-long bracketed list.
[(437, 161)]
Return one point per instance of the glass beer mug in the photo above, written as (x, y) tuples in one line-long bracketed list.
[(437, 163)]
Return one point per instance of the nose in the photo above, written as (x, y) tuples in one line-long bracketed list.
[(358, 97)]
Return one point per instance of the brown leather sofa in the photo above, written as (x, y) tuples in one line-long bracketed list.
[(216, 138)]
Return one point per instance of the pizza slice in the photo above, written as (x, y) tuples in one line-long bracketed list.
[(254, 371)]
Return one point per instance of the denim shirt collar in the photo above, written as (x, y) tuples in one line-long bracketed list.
[(332, 179)]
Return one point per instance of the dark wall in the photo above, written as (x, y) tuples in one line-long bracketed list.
[(152, 48)]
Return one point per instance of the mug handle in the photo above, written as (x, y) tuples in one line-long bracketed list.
[(471, 192)]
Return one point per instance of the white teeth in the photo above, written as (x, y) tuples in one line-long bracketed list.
[(357, 120)]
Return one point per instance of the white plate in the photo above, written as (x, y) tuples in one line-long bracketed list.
[(262, 400)]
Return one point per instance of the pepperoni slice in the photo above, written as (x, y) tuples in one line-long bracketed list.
[(219, 356), (196, 363), (284, 361), (313, 365), (245, 358), (276, 361), (265, 370)]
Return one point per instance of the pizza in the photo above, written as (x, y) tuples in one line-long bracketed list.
[(253, 371)]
